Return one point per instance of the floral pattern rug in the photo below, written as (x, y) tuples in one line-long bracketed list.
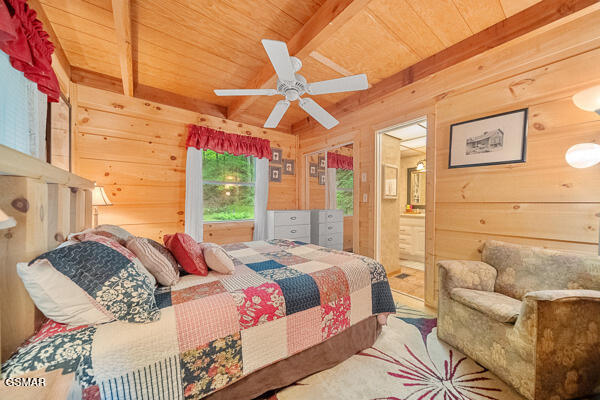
[(407, 362)]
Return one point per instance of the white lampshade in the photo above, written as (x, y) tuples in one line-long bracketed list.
[(583, 155), (99, 197), (588, 99), (6, 221)]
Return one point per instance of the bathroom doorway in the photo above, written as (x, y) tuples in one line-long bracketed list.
[(401, 188)]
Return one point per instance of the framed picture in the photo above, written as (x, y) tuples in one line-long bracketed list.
[(289, 167), (390, 181), (497, 139), (321, 177), (274, 174), (322, 162), (276, 155), (312, 170)]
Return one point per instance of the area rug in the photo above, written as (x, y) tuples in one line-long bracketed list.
[(407, 362)]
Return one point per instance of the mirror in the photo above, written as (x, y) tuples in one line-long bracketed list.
[(415, 189), (330, 184)]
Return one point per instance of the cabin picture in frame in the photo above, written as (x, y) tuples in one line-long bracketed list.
[(495, 139)]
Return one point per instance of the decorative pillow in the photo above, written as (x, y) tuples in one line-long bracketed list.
[(110, 231), (113, 244), (89, 283), (216, 258), (165, 252), (154, 261), (187, 253)]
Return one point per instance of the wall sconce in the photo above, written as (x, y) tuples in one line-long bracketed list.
[(421, 166), (6, 221), (588, 99), (99, 198)]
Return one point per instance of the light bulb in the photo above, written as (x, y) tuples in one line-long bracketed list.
[(583, 155)]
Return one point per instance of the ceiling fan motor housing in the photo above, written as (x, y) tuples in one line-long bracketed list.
[(292, 90)]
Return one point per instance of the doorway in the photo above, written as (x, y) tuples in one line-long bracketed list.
[(401, 187)]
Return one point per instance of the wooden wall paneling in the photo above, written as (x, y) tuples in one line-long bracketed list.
[(26, 200), (136, 149), (431, 198)]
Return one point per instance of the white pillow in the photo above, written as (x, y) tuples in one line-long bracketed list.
[(217, 259), (57, 297)]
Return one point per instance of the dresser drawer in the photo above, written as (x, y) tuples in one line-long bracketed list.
[(331, 227), (292, 231), (331, 216), (329, 240), (286, 218)]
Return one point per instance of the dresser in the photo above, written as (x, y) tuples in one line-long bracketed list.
[(327, 228), (289, 224), (411, 236)]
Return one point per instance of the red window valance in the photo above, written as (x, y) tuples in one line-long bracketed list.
[(335, 160), (23, 38), (205, 138)]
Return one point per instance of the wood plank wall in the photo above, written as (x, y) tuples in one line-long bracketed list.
[(136, 150), (542, 202)]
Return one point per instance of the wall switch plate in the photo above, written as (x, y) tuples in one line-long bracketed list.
[(365, 197), (363, 177)]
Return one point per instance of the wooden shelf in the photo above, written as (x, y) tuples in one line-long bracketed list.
[(13, 162)]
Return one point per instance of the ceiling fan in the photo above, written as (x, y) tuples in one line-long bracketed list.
[(292, 85)]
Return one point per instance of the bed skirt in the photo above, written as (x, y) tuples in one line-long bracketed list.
[(314, 359)]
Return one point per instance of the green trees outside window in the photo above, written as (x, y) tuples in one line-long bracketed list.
[(345, 190), (228, 186)]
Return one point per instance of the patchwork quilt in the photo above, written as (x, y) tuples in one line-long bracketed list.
[(284, 297)]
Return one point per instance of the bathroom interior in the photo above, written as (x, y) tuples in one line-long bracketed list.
[(402, 206)]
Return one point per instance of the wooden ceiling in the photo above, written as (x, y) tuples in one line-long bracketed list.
[(190, 47)]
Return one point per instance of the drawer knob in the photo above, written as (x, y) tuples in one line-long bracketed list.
[(293, 231), (293, 218), (329, 216), (330, 239), (330, 227)]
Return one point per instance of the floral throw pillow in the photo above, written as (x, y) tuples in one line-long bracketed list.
[(112, 282)]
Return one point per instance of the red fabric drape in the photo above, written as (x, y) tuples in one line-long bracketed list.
[(335, 160), (23, 38), (205, 138)]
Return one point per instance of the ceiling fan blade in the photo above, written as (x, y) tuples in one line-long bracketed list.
[(280, 58), (318, 113), (245, 92), (277, 113), (345, 84)]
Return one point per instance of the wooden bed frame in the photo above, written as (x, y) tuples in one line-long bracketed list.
[(48, 203)]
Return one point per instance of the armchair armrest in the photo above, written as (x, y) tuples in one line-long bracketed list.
[(475, 275)]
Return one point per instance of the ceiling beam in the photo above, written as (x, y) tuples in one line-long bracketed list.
[(329, 18), (59, 53), (122, 17), (534, 17), (112, 84)]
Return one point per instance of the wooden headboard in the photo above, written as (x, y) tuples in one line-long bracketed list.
[(48, 203)]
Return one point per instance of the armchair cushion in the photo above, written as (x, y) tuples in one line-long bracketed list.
[(495, 305), (474, 275)]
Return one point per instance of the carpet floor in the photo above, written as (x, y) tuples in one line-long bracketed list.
[(407, 362)]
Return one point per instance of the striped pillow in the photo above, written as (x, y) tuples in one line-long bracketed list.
[(163, 270)]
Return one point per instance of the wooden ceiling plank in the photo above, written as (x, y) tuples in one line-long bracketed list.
[(479, 14), (329, 63), (61, 56), (329, 17), (443, 18), (105, 82), (375, 17), (84, 10), (122, 17), (511, 7), (532, 18)]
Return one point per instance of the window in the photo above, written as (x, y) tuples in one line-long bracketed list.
[(228, 186), (345, 190), (22, 112)]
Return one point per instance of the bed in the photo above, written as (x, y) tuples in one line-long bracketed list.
[(289, 310)]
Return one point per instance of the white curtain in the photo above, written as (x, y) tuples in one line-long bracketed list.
[(331, 188), (261, 196), (194, 207)]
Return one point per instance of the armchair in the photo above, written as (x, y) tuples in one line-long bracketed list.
[(529, 315)]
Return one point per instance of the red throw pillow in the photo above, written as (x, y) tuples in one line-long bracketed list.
[(187, 253)]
